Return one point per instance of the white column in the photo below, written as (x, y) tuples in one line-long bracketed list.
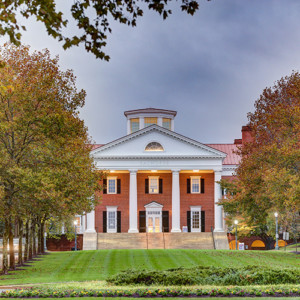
[(142, 122), (133, 202), (175, 201), (90, 220), (218, 208), (160, 121), (128, 126), (172, 124)]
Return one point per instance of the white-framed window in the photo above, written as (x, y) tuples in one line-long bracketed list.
[(154, 146), (150, 121), (153, 185), (166, 122), (111, 185), (195, 218), (134, 125), (195, 184), (111, 219)]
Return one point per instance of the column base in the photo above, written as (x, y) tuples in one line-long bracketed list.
[(175, 230), (218, 230), (133, 231), (90, 231), (89, 241)]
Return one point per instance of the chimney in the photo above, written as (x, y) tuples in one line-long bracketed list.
[(238, 141), (246, 134)]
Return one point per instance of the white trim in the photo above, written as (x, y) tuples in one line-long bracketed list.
[(195, 209), (153, 210), (108, 210), (214, 153), (107, 187), (157, 181), (199, 181)]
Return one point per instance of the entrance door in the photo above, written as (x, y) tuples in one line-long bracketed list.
[(153, 221)]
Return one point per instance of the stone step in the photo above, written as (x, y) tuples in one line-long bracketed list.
[(200, 240)]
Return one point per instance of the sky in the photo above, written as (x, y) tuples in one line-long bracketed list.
[(210, 67)]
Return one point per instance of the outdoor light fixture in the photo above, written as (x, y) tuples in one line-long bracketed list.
[(153, 171), (196, 171), (236, 241), (112, 171), (276, 220)]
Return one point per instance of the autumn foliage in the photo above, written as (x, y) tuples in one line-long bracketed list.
[(268, 178), (45, 167)]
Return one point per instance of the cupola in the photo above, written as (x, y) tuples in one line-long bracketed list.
[(140, 118)]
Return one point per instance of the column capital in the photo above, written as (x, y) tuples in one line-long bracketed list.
[(175, 171), (133, 171)]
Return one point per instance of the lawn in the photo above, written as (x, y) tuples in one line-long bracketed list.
[(99, 264)]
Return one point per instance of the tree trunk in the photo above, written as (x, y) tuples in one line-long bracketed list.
[(39, 236), (12, 263), (42, 236), (33, 238), (26, 241), (5, 254), (30, 240), (20, 260)]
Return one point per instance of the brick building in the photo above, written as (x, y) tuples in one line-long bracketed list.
[(158, 180)]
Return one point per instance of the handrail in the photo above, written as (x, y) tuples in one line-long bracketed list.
[(213, 237), (163, 232), (147, 238)]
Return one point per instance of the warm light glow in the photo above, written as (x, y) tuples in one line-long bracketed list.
[(153, 171), (112, 171), (236, 222), (75, 222), (276, 214), (196, 171)]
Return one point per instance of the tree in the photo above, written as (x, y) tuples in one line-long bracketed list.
[(45, 167), (92, 18), (268, 177)]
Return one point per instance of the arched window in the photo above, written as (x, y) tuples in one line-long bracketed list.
[(154, 146)]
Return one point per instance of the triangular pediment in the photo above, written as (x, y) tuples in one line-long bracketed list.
[(174, 145), (153, 204)]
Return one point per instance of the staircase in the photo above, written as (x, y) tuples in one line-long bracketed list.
[(200, 240)]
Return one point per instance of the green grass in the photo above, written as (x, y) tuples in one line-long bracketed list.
[(98, 265)]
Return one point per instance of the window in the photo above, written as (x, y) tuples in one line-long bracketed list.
[(134, 125), (150, 121), (111, 185), (195, 185), (154, 146), (153, 185), (111, 219), (195, 218), (166, 123)]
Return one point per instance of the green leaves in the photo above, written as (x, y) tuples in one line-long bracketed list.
[(93, 30)]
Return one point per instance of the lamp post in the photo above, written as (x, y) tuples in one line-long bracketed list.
[(236, 241), (276, 218), (75, 225)]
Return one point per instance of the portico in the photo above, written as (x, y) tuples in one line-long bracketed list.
[(157, 181)]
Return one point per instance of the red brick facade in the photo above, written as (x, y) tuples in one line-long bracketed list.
[(205, 200)]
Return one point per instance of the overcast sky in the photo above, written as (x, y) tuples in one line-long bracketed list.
[(210, 67)]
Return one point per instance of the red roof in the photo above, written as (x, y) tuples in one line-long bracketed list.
[(95, 146), (231, 158)]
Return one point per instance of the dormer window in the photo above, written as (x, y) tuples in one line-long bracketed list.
[(150, 121), (166, 123), (154, 146), (134, 125)]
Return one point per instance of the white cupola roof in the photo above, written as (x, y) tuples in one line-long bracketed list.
[(140, 118)]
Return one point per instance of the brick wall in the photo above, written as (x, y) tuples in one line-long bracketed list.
[(120, 200), (63, 244), (164, 199), (206, 200)]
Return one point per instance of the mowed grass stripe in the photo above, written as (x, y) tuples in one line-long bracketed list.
[(99, 264)]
